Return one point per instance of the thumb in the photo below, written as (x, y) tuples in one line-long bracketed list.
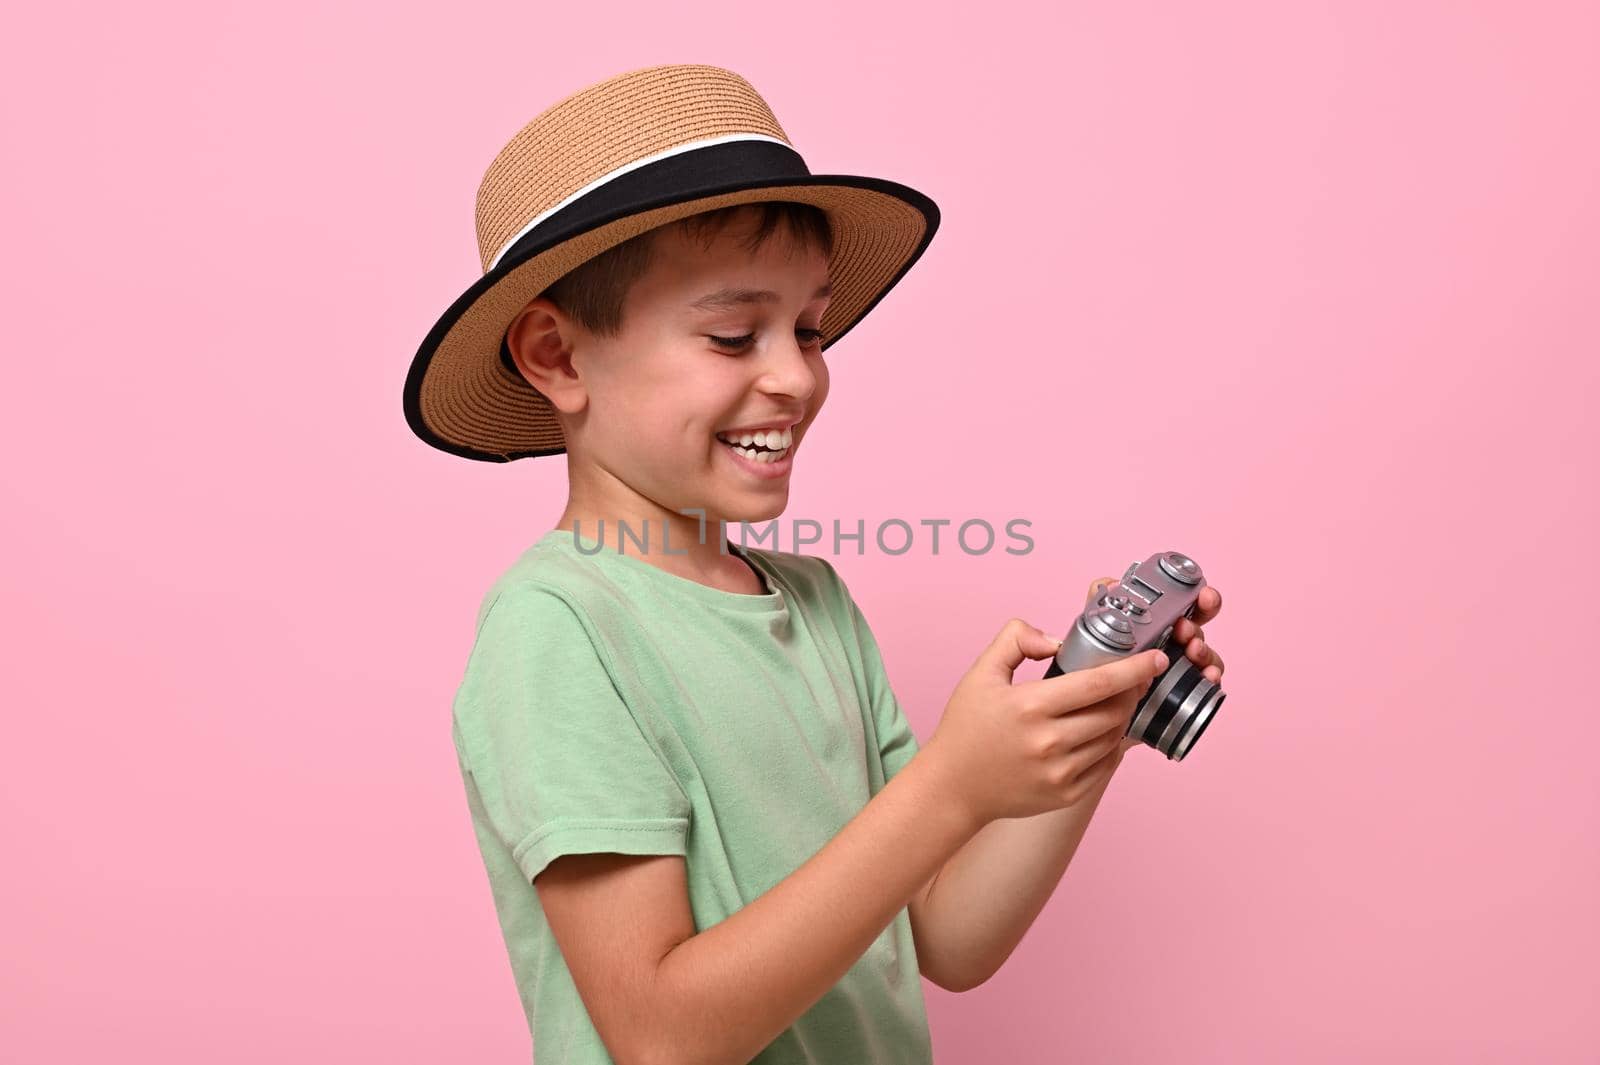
[(1016, 642), (1099, 585)]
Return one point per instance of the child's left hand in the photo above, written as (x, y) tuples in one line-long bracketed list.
[(1188, 634)]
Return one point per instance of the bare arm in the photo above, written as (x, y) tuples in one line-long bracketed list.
[(991, 891), (730, 990), (658, 993)]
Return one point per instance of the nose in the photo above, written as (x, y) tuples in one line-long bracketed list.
[(788, 372)]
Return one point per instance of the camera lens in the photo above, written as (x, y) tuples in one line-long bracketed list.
[(1177, 708)]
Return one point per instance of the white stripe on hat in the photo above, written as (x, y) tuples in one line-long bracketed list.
[(618, 172)]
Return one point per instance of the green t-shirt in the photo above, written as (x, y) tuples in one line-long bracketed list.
[(608, 705)]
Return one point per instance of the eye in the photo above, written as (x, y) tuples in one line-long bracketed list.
[(812, 336)]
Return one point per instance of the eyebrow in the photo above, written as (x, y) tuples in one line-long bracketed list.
[(733, 297)]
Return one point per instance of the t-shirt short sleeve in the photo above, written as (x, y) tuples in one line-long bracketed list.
[(897, 744), (558, 758)]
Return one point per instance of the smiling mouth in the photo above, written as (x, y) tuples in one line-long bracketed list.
[(752, 453), (765, 447)]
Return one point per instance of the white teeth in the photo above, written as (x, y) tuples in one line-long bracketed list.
[(777, 439), (761, 456)]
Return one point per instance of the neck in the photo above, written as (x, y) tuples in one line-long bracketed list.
[(654, 537), (690, 545), (677, 544)]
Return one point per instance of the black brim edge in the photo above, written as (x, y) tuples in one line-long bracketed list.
[(419, 364)]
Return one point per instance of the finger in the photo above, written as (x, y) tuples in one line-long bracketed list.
[(1099, 584), (1084, 738), (1207, 604), (1184, 630), (1096, 723), (1085, 687), (1104, 762), (1214, 671), (1101, 743), (1112, 756), (1210, 663), (1015, 643)]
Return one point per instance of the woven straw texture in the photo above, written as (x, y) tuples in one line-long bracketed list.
[(467, 395)]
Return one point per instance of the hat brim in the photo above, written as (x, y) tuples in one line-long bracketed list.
[(462, 398)]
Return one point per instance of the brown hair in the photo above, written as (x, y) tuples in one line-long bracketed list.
[(593, 293)]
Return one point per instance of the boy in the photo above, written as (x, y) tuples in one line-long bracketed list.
[(708, 829)]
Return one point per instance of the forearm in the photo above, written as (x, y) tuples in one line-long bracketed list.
[(991, 890), (725, 993)]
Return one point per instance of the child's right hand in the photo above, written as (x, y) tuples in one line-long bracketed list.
[(1015, 750)]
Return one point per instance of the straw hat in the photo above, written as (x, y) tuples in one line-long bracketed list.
[(605, 164)]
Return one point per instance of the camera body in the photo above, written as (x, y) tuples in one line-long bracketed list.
[(1138, 613)]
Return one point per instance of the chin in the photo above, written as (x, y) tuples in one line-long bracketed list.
[(756, 510)]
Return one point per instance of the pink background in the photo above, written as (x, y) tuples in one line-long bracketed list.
[(1342, 258)]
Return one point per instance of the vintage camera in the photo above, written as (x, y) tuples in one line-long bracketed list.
[(1137, 614)]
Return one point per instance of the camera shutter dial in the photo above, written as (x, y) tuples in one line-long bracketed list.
[(1110, 628), (1180, 567)]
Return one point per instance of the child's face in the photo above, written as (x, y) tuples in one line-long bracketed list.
[(659, 394)]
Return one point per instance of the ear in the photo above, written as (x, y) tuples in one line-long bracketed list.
[(540, 341)]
